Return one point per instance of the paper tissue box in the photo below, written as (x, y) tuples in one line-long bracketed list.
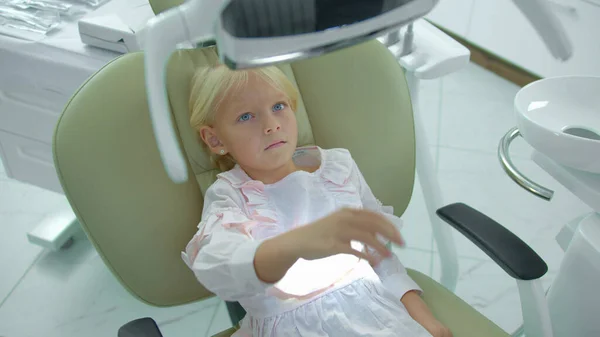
[(121, 31)]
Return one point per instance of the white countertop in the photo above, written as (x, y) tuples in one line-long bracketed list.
[(63, 44)]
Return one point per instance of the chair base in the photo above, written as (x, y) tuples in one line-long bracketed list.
[(143, 327)]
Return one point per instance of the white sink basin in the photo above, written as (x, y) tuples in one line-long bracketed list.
[(560, 117)]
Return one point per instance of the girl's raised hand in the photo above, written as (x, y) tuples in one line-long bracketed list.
[(333, 235)]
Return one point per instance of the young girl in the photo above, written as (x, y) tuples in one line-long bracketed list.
[(293, 234)]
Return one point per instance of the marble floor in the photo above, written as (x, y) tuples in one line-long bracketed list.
[(71, 293)]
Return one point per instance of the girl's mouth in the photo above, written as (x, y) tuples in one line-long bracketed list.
[(275, 145)]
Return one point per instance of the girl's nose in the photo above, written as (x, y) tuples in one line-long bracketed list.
[(272, 125), (272, 129)]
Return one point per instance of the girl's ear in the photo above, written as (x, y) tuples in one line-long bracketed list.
[(210, 138)]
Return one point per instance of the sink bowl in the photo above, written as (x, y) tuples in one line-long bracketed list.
[(560, 117)]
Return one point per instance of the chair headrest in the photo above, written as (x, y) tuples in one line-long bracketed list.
[(159, 6)]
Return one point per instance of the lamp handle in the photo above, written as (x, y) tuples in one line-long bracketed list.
[(190, 22), (540, 15)]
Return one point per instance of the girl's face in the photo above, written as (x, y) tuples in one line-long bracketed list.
[(256, 126)]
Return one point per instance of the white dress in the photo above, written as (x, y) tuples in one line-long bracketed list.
[(336, 296)]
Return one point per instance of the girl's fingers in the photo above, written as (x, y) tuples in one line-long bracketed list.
[(368, 239), (347, 249), (377, 223)]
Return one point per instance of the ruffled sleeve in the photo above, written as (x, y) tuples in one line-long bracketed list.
[(221, 253), (391, 271)]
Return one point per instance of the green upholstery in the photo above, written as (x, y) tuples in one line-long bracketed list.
[(112, 175), (456, 314), (139, 221), (159, 6)]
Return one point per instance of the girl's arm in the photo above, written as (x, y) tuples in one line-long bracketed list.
[(221, 253), (325, 237), (274, 257), (419, 311)]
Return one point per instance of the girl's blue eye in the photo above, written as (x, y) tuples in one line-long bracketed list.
[(245, 117), (278, 107)]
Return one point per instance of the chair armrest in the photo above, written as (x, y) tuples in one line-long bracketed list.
[(511, 254), (236, 312), (505, 248), (143, 327)]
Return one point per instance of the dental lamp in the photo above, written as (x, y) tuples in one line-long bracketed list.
[(258, 33)]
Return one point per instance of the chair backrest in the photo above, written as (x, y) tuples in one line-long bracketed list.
[(139, 221)]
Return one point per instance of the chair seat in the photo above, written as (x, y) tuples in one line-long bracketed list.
[(462, 319), (456, 314)]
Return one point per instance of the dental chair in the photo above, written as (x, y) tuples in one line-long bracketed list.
[(139, 221)]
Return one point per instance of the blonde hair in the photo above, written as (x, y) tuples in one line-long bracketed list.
[(211, 85)]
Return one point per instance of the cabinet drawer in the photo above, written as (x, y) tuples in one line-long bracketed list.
[(35, 89), (29, 161), (28, 115), (38, 73)]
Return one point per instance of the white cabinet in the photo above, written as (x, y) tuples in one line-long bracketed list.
[(29, 111), (500, 28), (26, 114), (29, 161), (36, 81)]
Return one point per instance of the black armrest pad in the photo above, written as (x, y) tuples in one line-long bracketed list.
[(236, 312), (143, 327), (506, 249)]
